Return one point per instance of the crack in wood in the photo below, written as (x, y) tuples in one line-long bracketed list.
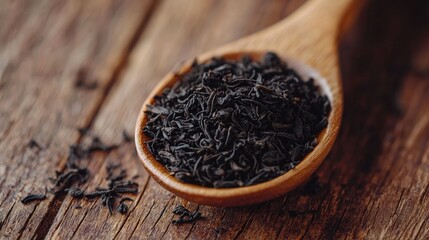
[(150, 210), (142, 220), (379, 180), (190, 230), (55, 204), (7, 215), (397, 207), (246, 223), (62, 219), (413, 230), (407, 225), (313, 217), (423, 195), (221, 221), (421, 227), (80, 223), (284, 202), (6, 197), (49, 217), (123, 61), (168, 227), (90, 207), (134, 229), (26, 221), (140, 196), (419, 156), (160, 215), (338, 224)]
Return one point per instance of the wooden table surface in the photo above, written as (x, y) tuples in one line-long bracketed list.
[(373, 184)]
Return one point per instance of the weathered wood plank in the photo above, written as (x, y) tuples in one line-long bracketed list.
[(176, 32), (374, 183), (373, 179), (45, 46)]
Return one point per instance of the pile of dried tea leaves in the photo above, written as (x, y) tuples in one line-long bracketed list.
[(236, 123)]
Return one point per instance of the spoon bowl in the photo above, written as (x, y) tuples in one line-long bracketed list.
[(309, 58)]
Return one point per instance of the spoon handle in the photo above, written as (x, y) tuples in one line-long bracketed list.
[(315, 20), (309, 35)]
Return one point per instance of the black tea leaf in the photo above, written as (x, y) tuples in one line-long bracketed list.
[(231, 123), (32, 198)]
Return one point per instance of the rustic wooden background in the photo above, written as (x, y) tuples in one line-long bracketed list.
[(373, 184)]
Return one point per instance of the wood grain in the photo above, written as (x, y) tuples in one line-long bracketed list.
[(373, 184), (46, 46), (300, 38), (148, 64)]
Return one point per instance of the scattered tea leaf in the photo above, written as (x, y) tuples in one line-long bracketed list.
[(32, 198), (185, 216)]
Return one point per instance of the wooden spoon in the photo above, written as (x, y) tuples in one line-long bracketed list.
[(307, 36)]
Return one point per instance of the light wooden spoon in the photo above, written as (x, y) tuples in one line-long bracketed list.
[(307, 36)]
